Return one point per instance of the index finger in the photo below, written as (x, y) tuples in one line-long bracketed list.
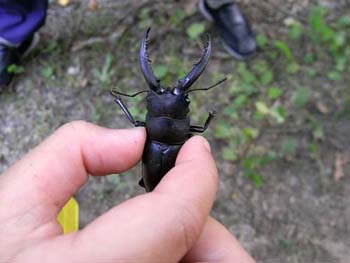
[(53, 171)]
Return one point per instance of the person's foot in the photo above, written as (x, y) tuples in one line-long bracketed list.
[(236, 33), (12, 56)]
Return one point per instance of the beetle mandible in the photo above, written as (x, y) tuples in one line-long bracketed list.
[(167, 121)]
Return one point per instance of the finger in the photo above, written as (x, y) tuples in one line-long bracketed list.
[(53, 171), (160, 226), (217, 244)]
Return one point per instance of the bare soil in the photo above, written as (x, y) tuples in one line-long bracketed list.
[(300, 214)]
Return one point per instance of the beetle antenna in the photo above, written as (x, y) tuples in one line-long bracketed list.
[(115, 93), (212, 86)]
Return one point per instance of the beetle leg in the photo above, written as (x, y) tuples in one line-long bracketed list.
[(116, 94), (201, 129), (127, 113)]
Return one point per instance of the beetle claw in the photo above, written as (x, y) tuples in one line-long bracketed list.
[(146, 68)]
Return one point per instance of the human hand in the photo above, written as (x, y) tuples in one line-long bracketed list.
[(170, 224)]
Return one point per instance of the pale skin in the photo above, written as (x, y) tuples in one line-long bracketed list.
[(171, 224)]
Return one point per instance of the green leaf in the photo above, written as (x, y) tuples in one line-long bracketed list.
[(240, 101), (144, 13), (47, 72), (251, 133), (340, 39), (254, 176), (301, 97), (310, 58), (313, 148), (334, 75), (229, 154), (261, 107), (293, 68), (266, 77), (274, 92), (160, 71), (295, 31), (311, 72), (195, 30), (289, 147), (278, 113), (319, 25), (261, 40), (177, 17), (222, 130), (230, 111), (327, 33), (344, 21), (316, 18), (317, 130), (15, 69), (247, 88), (340, 63), (245, 74), (285, 50)]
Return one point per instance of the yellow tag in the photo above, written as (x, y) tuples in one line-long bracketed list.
[(63, 2), (68, 217)]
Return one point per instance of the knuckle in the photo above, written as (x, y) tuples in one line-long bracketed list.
[(189, 223)]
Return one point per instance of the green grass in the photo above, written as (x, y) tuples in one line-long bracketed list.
[(267, 96), (266, 104)]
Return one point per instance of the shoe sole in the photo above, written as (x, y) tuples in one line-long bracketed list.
[(203, 10), (35, 42), (234, 53)]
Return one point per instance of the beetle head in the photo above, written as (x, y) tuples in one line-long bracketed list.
[(168, 104), (183, 84)]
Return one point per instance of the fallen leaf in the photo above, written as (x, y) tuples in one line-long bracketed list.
[(93, 5), (83, 83), (63, 2), (341, 159), (338, 167), (322, 107)]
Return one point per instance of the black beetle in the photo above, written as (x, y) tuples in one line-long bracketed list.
[(167, 121)]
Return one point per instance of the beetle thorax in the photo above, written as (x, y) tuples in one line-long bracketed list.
[(168, 104)]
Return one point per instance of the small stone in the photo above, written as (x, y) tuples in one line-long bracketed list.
[(73, 70)]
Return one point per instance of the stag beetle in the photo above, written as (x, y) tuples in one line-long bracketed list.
[(167, 121)]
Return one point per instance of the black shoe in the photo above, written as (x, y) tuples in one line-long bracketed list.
[(12, 56), (236, 33)]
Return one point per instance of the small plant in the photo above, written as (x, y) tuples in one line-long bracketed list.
[(47, 71), (295, 29), (195, 30), (15, 69), (105, 74), (301, 97)]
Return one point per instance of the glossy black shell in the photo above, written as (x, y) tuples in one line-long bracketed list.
[(168, 128), (168, 104)]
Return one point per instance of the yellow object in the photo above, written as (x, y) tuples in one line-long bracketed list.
[(68, 217), (63, 2)]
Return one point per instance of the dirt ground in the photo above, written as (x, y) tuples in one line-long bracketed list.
[(301, 211)]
